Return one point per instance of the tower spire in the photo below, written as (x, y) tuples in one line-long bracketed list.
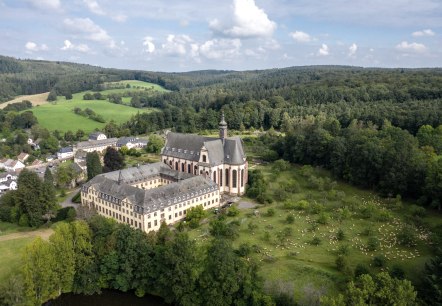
[(223, 128)]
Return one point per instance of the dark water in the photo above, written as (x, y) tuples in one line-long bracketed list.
[(106, 298)]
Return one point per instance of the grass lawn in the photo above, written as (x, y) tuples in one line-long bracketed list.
[(8, 228), (11, 252), (134, 86), (286, 252)]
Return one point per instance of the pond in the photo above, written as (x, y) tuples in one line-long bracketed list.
[(108, 298)]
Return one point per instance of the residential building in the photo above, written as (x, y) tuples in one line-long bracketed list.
[(221, 159), (96, 145), (11, 165), (97, 136), (131, 142), (8, 181), (22, 157), (65, 153), (147, 195)]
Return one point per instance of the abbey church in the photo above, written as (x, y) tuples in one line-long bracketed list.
[(221, 159)]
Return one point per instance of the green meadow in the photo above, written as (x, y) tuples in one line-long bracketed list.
[(300, 252), (58, 115)]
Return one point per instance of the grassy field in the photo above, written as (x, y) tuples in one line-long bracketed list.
[(59, 115), (302, 254), (11, 252)]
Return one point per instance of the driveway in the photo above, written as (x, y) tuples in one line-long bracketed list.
[(68, 202)]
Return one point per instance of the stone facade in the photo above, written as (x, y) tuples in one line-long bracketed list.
[(147, 195), (221, 159)]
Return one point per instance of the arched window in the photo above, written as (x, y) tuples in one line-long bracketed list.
[(195, 171), (189, 169), (182, 167), (214, 176), (165, 161), (220, 177), (227, 177), (204, 158), (176, 166), (170, 163), (242, 178), (234, 178)]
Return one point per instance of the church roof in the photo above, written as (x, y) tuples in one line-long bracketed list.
[(188, 146)]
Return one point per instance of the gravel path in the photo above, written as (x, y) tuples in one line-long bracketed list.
[(246, 205), (68, 202)]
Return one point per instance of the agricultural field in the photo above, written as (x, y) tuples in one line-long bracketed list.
[(58, 115), (37, 99), (297, 239)]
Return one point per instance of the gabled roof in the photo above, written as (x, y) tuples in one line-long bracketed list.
[(95, 135), (188, 146), (96, 143)]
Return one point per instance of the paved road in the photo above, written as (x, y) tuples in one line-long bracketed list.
[(68, 202)]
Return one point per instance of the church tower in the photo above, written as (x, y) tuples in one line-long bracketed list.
[(223, 128)]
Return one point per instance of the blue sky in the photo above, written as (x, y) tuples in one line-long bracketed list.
[(189, 35)]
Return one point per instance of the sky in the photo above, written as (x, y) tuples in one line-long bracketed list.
[(178, 35)]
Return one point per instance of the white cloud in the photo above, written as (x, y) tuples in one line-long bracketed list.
[(248, 21), (220, 49), (176, 45), (148, 43), (94, 7), (70, 46), (427, 32), (413, 47), (352, 50), (300, 36), (46, 4), (324, 50), (89, 30), (33, 47), (119, 17)]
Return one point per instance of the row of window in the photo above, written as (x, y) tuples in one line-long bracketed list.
[(119, 217)]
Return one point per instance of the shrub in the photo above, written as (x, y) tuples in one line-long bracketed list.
[(340, 235), (289, 205), (315, 208), (77, 198), (418, 211), (407, 236), (323, 218), (343, 250), (233, 211), (361, 269), (252, 226), (397, 272), (290, 219), (301, 205), (244, 250), (315, 241), (270, 212), (71, 214), (379, 261), (372, 243), (342, 263), (23, 221), (280, 165)]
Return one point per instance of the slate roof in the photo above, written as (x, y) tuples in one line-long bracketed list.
[(96, 143), (94, 135), (188, 146), (146, 201), (66, 150)]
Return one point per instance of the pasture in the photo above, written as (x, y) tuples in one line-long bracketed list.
[(327, 219)]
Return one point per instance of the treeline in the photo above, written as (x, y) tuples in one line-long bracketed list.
[(387, 159), (88, 113), (85, 257), (18, 106)]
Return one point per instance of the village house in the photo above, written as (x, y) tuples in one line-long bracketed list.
[(97, 136), (8, 181), (221, 159), (11, 165), (65, 153), (145, 196), (22, 157)]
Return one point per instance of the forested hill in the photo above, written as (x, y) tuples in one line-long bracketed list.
[(409, 98)]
